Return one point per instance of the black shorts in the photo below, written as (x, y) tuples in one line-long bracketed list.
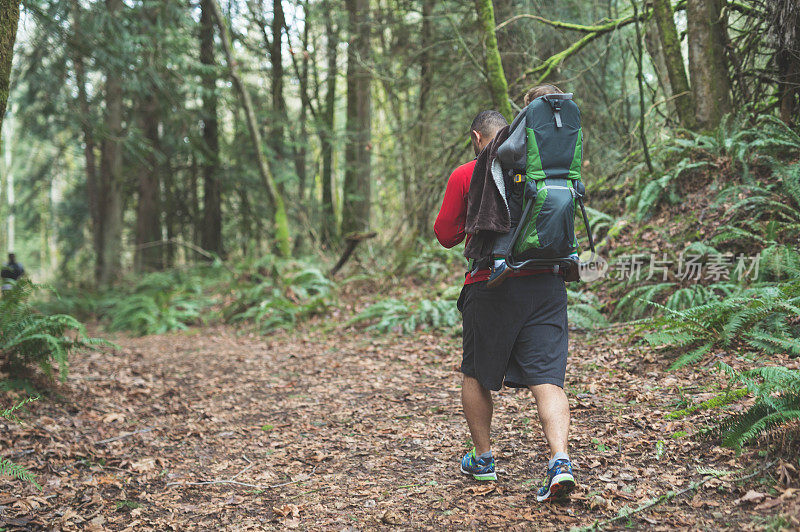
[(515, 333)]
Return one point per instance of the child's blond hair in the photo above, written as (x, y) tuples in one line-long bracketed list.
[(541, 90)]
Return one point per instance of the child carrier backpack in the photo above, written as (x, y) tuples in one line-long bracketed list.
[(541, 164)]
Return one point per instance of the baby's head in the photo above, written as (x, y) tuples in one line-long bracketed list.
[(541, 90)]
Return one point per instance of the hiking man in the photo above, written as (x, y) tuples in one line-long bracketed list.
[(11, 271), (513, 334)]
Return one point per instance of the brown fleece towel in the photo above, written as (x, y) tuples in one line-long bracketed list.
[(487, 212)]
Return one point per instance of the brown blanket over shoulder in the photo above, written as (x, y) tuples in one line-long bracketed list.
[(487, 213)]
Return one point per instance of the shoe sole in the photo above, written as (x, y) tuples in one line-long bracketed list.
[(497, 281), (484, 476), (560, 488)]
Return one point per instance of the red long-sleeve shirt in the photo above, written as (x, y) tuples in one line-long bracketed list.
[(449, 225)]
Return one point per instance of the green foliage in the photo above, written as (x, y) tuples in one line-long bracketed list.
[(28, 337), (742, 139), (768, 212), (777, 402), (276, 294), (583, 310), (763, 317), (718, 401), (7, 467), (637, 302), (429, 260), (395, 315), (160, 302)]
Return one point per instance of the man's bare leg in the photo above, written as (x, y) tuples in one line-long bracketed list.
[(553, 406), (477, 403)]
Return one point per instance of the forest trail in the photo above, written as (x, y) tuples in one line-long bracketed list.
[(344, 430)]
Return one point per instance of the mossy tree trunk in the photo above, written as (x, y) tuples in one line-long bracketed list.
[(673, 57), (9, 18), (711, 85), (498, 86)]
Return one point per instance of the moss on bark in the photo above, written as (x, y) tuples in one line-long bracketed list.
[(498, 85), (9, 17)]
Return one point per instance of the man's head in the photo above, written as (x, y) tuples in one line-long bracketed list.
[(541, 90), (12, 257), (484, 127)]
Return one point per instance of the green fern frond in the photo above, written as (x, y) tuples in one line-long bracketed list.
[(10, 469), (692, 356)]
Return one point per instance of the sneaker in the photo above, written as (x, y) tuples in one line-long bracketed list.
[(500, 271), (479, 468), (559, 482)]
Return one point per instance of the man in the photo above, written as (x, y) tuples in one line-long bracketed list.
[(13, 271), (513, 334)]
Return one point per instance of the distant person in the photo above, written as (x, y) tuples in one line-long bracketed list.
[(11, 271), (513, 334)]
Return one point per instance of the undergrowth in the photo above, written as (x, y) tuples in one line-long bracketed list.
[(273, 294), (31, 338)]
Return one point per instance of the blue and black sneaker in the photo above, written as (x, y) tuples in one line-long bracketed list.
[(559, 482), (479, 468)]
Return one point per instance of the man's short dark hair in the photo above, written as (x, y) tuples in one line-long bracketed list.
[(488, 122)]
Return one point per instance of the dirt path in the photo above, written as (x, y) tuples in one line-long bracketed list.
[(348, 431)]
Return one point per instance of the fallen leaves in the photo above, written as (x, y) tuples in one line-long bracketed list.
[(287, 510), (481, 489), (325, 430)]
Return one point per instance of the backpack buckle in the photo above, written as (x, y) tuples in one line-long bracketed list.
[(518, 178)]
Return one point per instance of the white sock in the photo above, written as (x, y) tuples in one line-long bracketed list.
[(558, 456), (486, 455)]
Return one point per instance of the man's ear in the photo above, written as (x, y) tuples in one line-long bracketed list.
[(476, 137)]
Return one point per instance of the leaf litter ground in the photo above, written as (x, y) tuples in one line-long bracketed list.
[(215, 429)]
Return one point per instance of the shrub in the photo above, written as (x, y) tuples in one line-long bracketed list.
[(777, 402), (275, 294), (28, 337), (396, 315), (160, 302), (762, 317)]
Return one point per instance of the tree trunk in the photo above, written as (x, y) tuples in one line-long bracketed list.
[(498, 86), (110, 189), (711, 84), (267, 177), (148, 209), (357, 178), (787, 59), (673, 57), (328, 219), (9, 18), (301, 144), (89, 143), (421, 198), (211, 231), (280, 118)]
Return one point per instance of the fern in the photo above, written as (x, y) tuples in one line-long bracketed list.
[(275, 294), (28, 337), (7, 467), (763, 317), (583, 310), (777, 401), (395, 315)]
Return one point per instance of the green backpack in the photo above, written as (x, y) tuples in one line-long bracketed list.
[(541, 165)]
